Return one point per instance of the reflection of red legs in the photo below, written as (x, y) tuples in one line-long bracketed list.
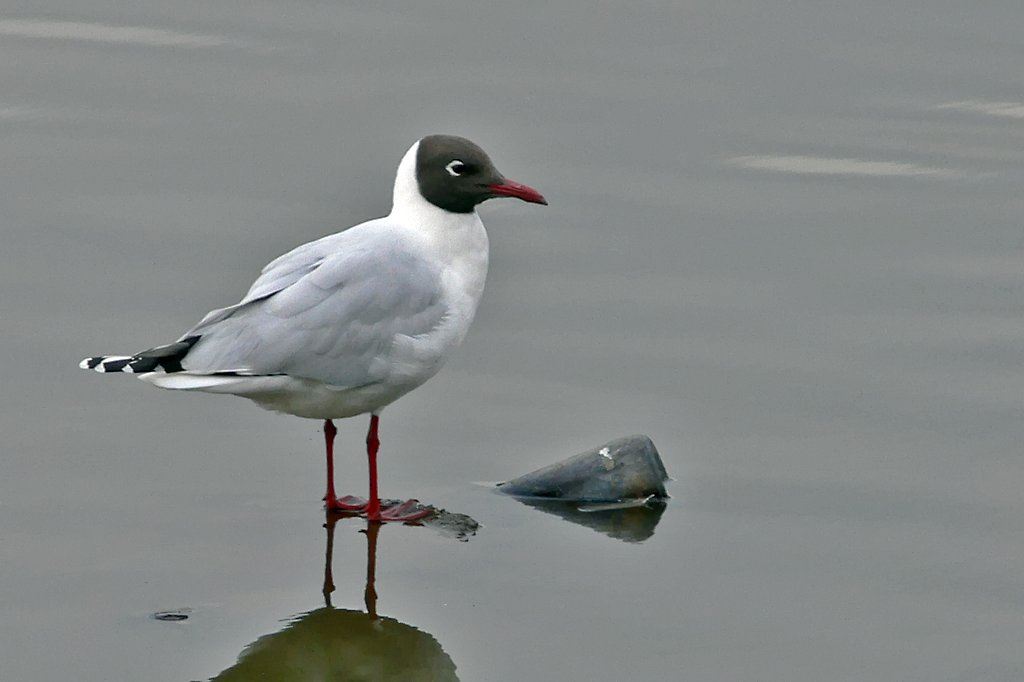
[(370, 592), (410, 510), (328, 558)]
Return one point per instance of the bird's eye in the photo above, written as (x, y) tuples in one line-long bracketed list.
[(455, 168)]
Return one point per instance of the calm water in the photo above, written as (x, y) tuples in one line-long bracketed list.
[(784, 240)]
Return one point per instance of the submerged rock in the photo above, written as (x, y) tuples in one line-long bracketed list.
[(628, 468), (172, 616), (452, 525)]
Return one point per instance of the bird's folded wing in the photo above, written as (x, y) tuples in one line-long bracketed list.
[(279, 274), (328, 311)]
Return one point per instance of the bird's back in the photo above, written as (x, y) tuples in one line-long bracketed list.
[(328, 311)]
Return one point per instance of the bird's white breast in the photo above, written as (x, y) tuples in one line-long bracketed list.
[(457, 243)]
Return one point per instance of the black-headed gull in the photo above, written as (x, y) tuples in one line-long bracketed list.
[(347, 324)]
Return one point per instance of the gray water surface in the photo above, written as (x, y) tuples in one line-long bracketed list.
[(784, 240)]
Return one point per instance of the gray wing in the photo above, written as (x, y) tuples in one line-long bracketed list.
[(329, 311), (278, 274)]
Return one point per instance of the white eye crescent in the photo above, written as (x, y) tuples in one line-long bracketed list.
[(455, 168)]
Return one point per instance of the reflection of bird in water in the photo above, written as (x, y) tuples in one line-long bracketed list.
[(342, 644)]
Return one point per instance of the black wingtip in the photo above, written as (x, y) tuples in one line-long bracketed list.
[(115, 365)]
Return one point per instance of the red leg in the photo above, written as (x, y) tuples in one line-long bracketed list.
[(410, 510), (347, 503), (372, 445), (329, 433)]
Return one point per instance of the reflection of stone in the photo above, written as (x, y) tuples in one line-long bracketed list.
[(630, 524), (343, 644)]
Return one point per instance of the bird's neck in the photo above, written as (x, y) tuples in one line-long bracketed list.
[(457, 239)]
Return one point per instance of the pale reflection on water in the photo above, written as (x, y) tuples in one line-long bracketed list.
[(102, 33)]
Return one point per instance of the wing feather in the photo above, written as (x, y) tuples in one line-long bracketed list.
[(329, 311)]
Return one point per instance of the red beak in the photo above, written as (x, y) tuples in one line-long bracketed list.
[(509, 188)]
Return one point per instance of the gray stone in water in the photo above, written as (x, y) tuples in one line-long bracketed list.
[(625, 469)]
